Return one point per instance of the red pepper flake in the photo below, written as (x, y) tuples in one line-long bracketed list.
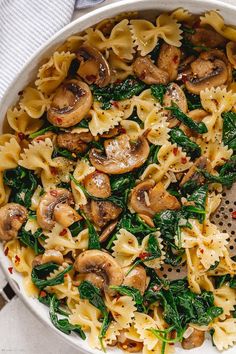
[(63, 232), (53, 170), (201, 250), (66, 275), (184, 160), (197, 24), (122, 130), (53, 193), (21, 136), (17, 259), (176, 59), (115, 104), (6, 251), (234, 214), (144, 255), (42, 293), (10, 270), (58, 120), (175, 151)]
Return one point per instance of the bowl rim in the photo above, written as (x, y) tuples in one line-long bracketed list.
[(95, 16)]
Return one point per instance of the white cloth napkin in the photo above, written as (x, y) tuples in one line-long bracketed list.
[(25, 25)]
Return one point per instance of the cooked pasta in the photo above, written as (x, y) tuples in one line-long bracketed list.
[(115, 162)]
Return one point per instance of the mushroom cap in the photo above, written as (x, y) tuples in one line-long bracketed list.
[(207, 37), (12, 217), (136, 278), (101, 263), (148, 198), (206, 74), (149, 73), (203, 163), (70, 104), (175, 94), (98, 184), (121, 155), (47, 205), (74, 142), (93, 68)]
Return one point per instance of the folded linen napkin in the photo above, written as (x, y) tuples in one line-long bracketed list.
[(25, 25)]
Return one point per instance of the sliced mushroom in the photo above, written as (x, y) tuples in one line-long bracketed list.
[(174, 94), (231, 53), (48, 256), (121, 155), (47, 205), (102, 264), (218, 54), (136, 278), (193, 174), (65, 215), (98, 184), (93, 68), (197, 115), (107, 231), (74, 142), (149, 73), (43, 137), (147, 220), (204, 37), (102, 212), (96, 279), (169, 59), (12, 217), (206, 74), (131, 346), (149, 198), (194, 340), (70, 104)]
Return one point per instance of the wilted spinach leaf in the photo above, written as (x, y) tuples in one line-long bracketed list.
[(227, 174), (31, 240), (229, 129), (158, 91), (132, 292), (40, 272), (190, 147)]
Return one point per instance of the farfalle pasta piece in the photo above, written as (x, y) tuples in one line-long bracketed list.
[(157, 126), (72, 44), (212, 203), (112, 332), (103, 120), (87, 316), (215, 20), (225, 297), (55, 240), (120, 40), (142, 324), (120, 69), (126, 248), (38, 157), (22, 259), (146, 35), (122, 309), (34, 102), (9, 155), (153, 171), (211, 243), (224, 335), (157, 262), (182, 15), (132, 129), (21, 122), (52, 73), (216, 101), (31, 225), (5, 138), (216, 152)]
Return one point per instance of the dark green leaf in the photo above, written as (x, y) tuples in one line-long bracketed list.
[(40, 272), (31, 240), (63, 325), (153, 248), (158, 91), (132, 292), (190, 147), (93, 294), (194, 101), (76, 228), (229, 129), (50, 128), (186, 120), (227, 174), (64, 153)]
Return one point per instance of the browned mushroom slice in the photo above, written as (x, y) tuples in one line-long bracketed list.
[(130, 346), (218, 54), (93, 68), (74, 142), (174, 94), (194, 340), (169, 59), (70, 104), (149, 73), (197, 115), (98, 184), (12, 217), (101, 264), (206, 74), (149, 198), (107, 231), (59, 201), (48, 256), (136, 278), (207, 38), (231, 53), (121, 155), (102, 212), (193, 174)]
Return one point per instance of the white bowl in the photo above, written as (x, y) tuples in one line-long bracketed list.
[(26, 75)]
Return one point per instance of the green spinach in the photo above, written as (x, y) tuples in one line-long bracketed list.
[(50, 128), (158, 91), (31, 240), (132, 292), (227, 174), (190, 147), (40, 272), (229, 129)]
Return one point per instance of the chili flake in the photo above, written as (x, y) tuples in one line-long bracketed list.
[(63, 232), (42, 293), (184, 160), (234, 214), (17, 259), (6, 251), (10, 269)]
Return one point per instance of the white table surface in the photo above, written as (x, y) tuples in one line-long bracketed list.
[(20, 331)]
